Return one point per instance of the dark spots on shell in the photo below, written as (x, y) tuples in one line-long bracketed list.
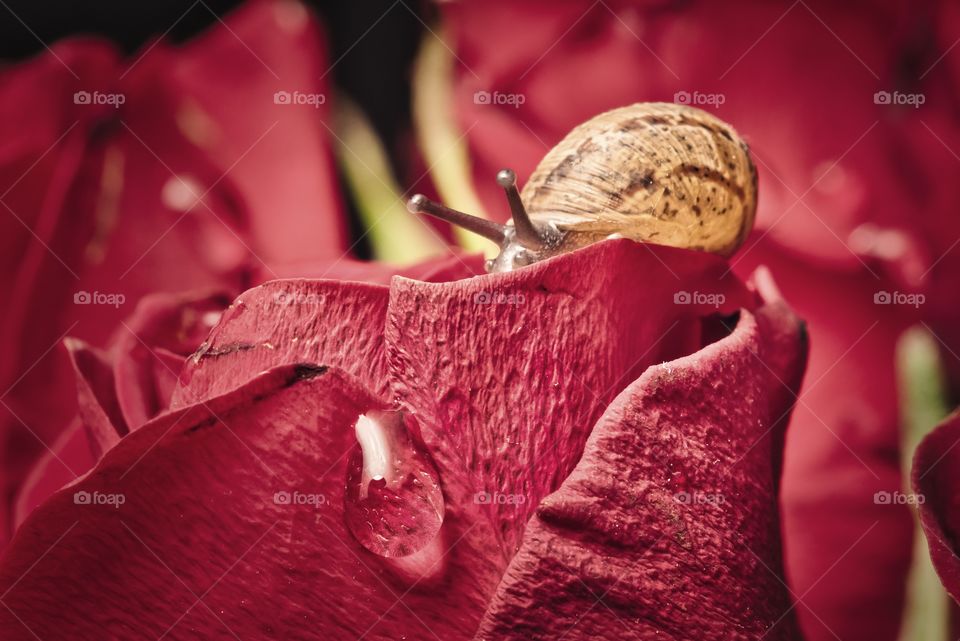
[(721, 135), (668, 212), (689, 147), (656, 120), (562, 170), (713, 128), (640, 181), (645, 122), (711, 175), (697, 211), (587, 146)]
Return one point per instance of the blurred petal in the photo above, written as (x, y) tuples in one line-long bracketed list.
[(845, 553), (175, 184), (152, 345), (97, 404)]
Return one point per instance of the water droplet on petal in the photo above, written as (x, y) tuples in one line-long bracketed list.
[(394, 503)]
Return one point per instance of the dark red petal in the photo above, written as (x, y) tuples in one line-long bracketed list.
[(279, 155), (199, 545), (436, 270), (96, 396), (507, 373), (166, 372), (150, 347), (290, 321), (668, 526), (42, 214), (847, 555), (69, 456), (937, 484)]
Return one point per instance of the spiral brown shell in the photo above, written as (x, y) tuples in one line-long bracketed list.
[(654, 172)]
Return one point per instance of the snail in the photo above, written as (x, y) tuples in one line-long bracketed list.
[(652, 172)]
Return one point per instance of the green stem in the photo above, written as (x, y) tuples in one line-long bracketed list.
[(396, 236), (922, 401)]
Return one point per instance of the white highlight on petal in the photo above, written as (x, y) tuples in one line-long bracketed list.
[(181, 193)]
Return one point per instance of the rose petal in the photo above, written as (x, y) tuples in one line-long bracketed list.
[(297, 211), (42, 144), (337, 323), (484, 361), (166, 371), (289, 321), (440, 269), (201, 550), (69, 457), (151, 346), (97, 400), (669, 523), (442, 341), (508, 372)]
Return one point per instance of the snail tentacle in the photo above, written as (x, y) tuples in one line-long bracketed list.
[(420, 204), (526, 232)]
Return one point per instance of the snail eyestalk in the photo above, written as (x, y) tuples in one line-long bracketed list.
[(420, 204), (526, 232)]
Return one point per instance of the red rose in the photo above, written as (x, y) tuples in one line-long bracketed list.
[(583, 457), (850, 114), (122, 388), (158, 173)]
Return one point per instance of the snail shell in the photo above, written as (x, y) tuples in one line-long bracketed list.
[(652, 172)]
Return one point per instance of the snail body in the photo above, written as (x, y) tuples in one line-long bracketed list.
[(651, 172)]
